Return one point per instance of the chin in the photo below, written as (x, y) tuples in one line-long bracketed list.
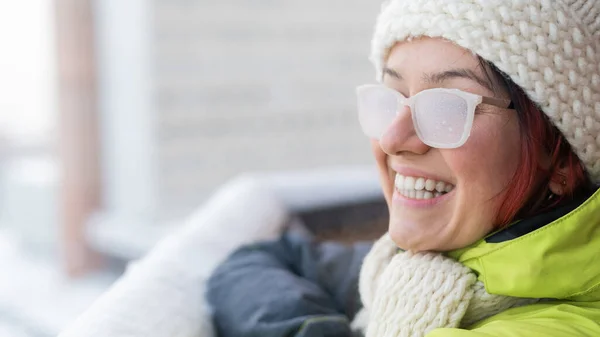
[(411, 238)]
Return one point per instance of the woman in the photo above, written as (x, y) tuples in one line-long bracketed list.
[(485, 129)]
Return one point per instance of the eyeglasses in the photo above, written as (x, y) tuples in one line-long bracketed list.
[(442, 118)]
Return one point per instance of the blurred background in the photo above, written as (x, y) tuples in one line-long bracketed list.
[(119, 117)]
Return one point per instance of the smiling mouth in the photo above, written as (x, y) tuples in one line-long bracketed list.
[(421, 187)]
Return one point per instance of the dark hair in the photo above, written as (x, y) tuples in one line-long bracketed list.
[(538, 135)]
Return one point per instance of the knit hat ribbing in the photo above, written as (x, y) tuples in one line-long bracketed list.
[(550, 48)]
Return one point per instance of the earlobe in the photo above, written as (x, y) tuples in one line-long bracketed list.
[(558, 182), (556, 188)]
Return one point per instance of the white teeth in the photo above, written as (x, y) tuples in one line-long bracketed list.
[(419, 194), (420, 184), (439, 186), (409, 183), (429, 184), (399, 181), (421, 188)]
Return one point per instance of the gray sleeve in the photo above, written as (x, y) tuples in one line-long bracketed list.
[(289, 287)]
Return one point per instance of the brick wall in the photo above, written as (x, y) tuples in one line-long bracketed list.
[(256, 85)]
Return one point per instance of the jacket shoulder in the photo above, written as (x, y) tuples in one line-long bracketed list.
[(554, 319)]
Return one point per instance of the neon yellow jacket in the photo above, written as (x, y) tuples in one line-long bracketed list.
[(559, 261)]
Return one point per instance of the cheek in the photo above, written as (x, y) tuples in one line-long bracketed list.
[(383, 170), (489, 159)]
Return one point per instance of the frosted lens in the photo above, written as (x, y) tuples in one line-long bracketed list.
[(441, 118), (377, 108)]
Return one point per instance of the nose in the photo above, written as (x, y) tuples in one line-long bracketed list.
[(401, 137)]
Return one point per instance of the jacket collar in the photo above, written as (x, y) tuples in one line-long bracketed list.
[(554, 255)]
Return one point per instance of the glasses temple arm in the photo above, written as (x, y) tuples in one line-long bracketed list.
[(498, 102)]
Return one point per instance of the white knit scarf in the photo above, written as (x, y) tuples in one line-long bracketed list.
[(409, 294)]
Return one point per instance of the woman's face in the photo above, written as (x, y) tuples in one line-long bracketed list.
[(475, 174)]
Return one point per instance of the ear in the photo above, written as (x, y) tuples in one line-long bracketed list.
[(558, 181)]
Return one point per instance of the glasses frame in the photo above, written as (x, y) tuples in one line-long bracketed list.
[(472, 100)]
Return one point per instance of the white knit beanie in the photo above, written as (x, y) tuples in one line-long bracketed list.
[(550, 48)]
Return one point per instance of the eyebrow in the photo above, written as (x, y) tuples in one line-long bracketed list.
[(438, 78)]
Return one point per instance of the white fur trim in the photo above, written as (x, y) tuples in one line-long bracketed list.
[(163, 294)]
